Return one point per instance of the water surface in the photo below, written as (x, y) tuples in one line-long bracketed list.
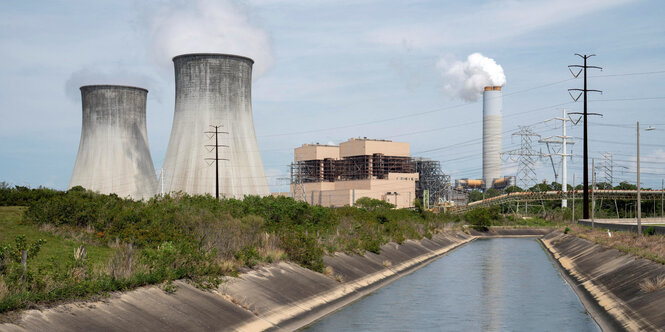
[(501, 284)]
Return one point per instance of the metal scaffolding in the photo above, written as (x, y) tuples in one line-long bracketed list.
[(361, 167), (432, 178)]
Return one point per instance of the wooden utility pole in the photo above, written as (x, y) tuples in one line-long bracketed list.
[(216, 146)]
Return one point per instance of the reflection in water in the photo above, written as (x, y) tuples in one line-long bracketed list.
[(487, 285), (490, 290)]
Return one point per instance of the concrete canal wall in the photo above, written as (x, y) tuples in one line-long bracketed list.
[(285, 296), (281, 296), (607, 282), (622, 227)]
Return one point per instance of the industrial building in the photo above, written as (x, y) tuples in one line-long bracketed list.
[(113, 155), (214, 90), (338, 175)]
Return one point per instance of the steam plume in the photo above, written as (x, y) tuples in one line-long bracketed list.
[(90, 75), (466, 79), (207, 26)]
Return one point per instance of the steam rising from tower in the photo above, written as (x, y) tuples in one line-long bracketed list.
[(466, 79), (214, 89), (113, 155), (492, 123)]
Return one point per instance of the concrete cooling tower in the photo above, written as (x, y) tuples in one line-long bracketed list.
[(214, 89), (492, 123), (113, 155)]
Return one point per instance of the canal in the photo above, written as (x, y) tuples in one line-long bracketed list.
[(499, 284)]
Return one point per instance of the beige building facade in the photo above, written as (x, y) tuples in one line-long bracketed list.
[(331, 175)]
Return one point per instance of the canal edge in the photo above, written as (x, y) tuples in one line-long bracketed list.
[(580, 285)]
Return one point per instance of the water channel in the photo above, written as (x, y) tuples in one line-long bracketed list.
[(501, 284)]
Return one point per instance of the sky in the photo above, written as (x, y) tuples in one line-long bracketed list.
[(326, 71)]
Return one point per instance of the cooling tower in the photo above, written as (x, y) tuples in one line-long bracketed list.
[(113, 155), (492, 109), (214, 89)]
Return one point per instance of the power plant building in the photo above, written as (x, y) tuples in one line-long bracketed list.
[(113, 155), (331, 175), (214, 90)]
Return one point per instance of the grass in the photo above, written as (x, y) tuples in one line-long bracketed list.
[(652, 284), (57, 247), (649, 246)]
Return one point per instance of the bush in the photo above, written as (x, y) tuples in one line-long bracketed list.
[(304, 250), (481, 218), (649, 231), (195, 237), (372, 204)]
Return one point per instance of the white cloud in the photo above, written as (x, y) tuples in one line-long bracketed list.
[(491, 21)]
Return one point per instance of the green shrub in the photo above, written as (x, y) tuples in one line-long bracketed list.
[(372, 204), (304, 250), (649, 231), (481, 218)]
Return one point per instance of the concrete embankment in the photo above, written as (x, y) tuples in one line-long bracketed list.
[(622, 227), (281, 296), (608, 282)]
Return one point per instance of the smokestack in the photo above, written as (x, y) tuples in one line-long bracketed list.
[(492, 123), (214, 89), (113, 155)]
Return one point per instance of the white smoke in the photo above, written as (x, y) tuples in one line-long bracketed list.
[(207, 26), (93, 75), (466, 79)]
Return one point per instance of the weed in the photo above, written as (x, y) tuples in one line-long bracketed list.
[(328, 271), (652, 284), (169, 287)]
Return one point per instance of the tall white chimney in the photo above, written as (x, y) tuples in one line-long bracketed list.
[(492, 127)]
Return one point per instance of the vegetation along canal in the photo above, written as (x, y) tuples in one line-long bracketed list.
[(500, 284)]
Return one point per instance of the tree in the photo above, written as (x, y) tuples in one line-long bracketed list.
[(513, 189), (626, 186), (475, 195)]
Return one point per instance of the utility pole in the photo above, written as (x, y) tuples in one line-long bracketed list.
[(216, 146), (573, 198), (593, 191), (161, 175), (561, 152), (662, 198), (583, 68), (639, 198)]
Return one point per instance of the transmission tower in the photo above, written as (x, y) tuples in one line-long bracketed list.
[(583, 68), (558, 147), (526, 157), (607, 168)]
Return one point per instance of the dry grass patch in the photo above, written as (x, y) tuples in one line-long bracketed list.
[(649, 285), (650, 247)]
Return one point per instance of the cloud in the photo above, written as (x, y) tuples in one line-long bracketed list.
[(207, 26), (651, 163), (487, 22), (466, 79)]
